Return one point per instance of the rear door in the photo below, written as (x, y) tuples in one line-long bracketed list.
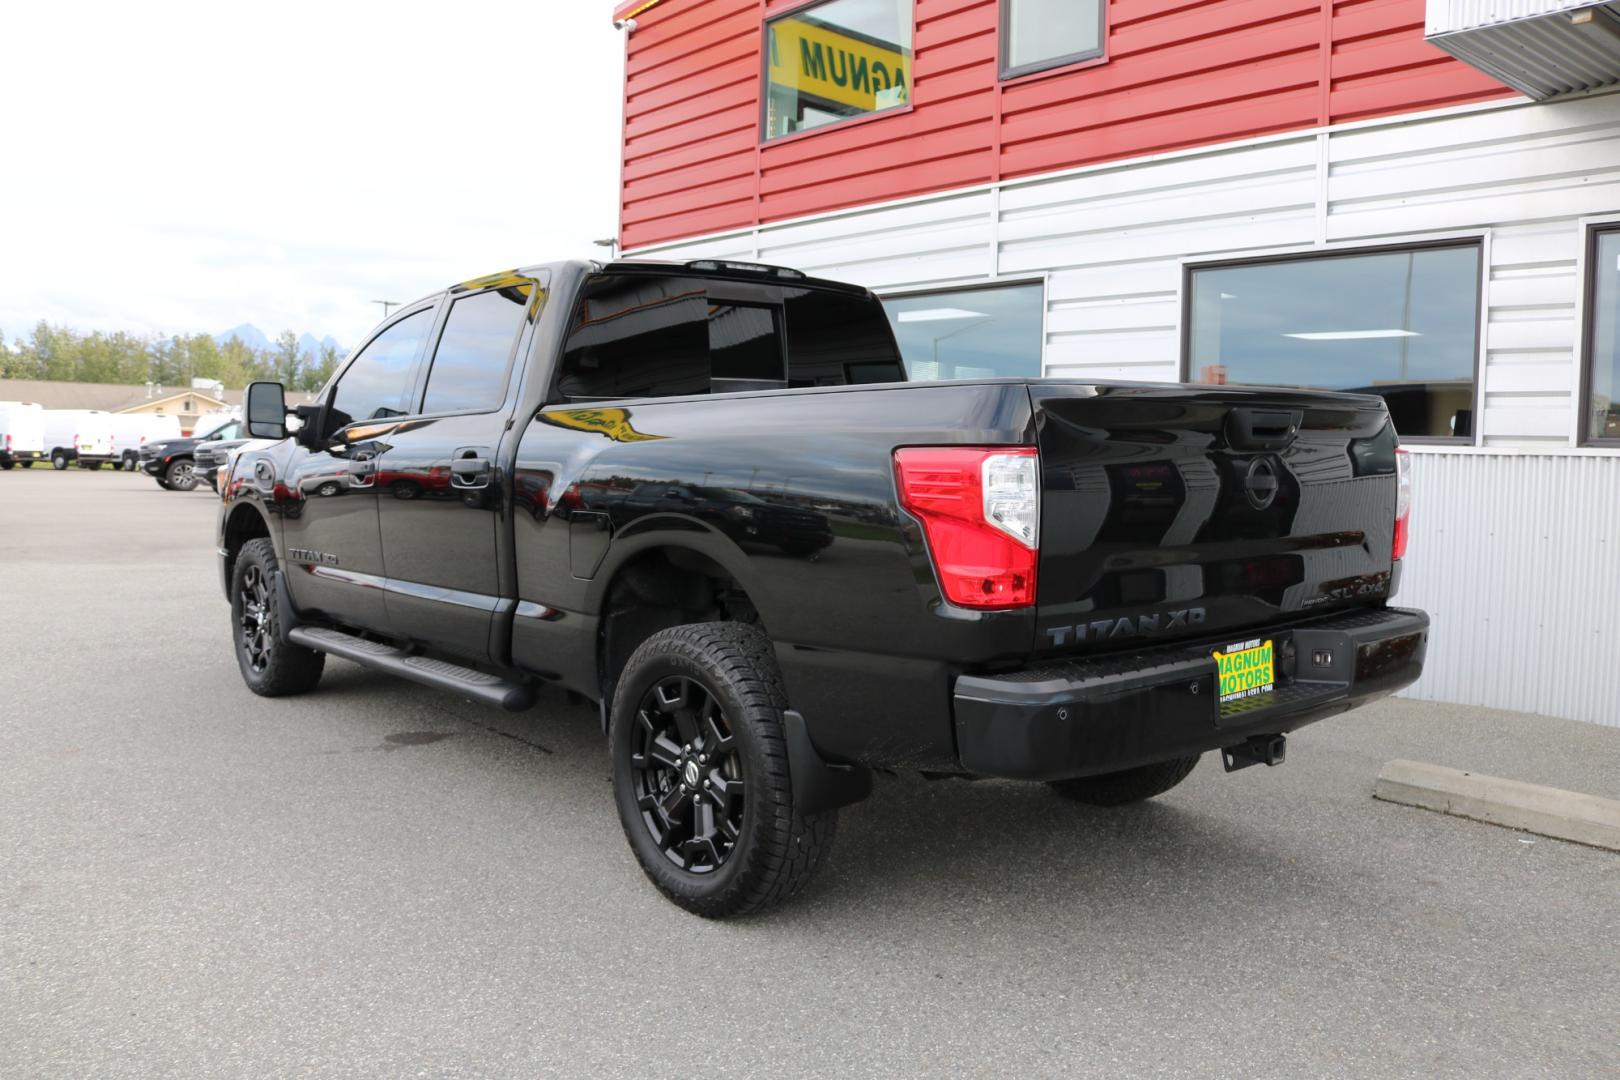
[(330, 529), (440, 489), (1178, 511)]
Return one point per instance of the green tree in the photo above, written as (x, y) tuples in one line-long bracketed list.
[(284, 359), (317, 372)]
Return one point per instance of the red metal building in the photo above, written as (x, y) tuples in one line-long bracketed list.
[(1174, 74)]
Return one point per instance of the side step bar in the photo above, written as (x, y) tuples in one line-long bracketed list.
[(439, 674)]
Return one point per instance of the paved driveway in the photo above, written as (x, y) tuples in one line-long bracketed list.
[(380, 880)]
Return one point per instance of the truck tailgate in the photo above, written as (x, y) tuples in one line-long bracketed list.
[(1182, 511)]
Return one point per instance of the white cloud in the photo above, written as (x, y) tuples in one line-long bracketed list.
[(188, 166)]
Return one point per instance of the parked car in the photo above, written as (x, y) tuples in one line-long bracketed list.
[(22, 434), (172, 462), (209, 455), (84, 436), (1084, 584), (131, 431)]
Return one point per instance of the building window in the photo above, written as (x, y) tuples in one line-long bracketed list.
[(1601, 414), (970, 333), (1041, 34), (836, 60), (1402, 324)]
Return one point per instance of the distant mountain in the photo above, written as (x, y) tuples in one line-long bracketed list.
[(254, 338), (247, 333)]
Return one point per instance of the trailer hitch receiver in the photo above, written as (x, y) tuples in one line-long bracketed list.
[(1255, 750)]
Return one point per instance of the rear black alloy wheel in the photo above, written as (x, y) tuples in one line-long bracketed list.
[(688, 779), (700, 772), (270, 666)]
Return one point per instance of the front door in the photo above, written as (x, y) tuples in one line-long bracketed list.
[(440, 490), (334, 553)]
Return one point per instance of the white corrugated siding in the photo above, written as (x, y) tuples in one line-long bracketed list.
[(1520, 620), (1445, 16), (1516, 558)]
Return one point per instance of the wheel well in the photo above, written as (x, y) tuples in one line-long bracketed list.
[(243, 525), (659, 589)]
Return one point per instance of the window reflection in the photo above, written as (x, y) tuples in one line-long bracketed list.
[(969, 333), (1603, 349), (836, 60), (1400, 324)]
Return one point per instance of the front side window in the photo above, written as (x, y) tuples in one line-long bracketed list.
[(1041, 34), (1400, 324), (375, 384), (475, 350), (836, 60), (1601, 415), (970, 333)]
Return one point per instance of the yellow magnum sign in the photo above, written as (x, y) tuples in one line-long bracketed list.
[(614, 423), (822, 62), (1246, 672)]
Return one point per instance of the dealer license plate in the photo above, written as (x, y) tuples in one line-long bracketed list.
[(1246, 670)]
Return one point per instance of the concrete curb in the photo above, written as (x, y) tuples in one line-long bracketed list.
[(1563, 815)]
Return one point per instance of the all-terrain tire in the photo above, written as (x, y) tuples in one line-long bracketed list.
[(1128, 785), (777, 848), (270, 667)]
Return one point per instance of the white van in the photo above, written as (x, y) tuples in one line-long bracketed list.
[(131, 431), (82, 435), (22, 433)]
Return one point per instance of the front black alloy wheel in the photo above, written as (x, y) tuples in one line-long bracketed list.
[(270, 667), (700, 772)]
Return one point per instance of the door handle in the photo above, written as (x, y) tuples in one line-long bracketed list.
[(470, 467)]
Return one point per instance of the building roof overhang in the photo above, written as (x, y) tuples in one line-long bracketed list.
[(1541, 48), (630, 9)]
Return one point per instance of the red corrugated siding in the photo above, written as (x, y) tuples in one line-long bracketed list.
[(1179, 73)]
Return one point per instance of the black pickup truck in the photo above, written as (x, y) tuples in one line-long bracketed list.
[(703, 496)]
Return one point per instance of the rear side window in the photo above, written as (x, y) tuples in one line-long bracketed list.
[(474, 355), (645, 336), (638, 336), (375, 385)]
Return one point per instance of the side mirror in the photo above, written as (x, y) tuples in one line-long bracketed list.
[(266, 410)]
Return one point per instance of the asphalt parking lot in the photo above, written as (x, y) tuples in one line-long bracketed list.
[(380, 880)]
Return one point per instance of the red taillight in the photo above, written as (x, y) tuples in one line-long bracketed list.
[(1403, 501), (980, 510)]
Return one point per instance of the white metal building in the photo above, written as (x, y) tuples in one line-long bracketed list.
[(1516, 531)]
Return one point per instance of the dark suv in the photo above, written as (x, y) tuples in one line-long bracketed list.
[(173, 462)]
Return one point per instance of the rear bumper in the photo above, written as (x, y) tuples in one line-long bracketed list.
[(1085, 717)]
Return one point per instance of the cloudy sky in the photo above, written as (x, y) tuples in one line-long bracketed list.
[(189, 166)]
